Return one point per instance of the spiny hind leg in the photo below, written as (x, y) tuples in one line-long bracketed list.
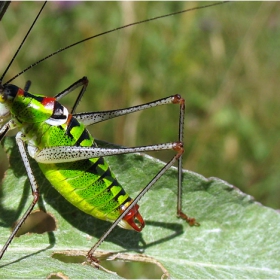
[(67, 154), (90, 118)]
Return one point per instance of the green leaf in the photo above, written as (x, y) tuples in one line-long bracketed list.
[(237, 237)]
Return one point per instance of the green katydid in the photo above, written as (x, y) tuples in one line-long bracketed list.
[(68, 156)]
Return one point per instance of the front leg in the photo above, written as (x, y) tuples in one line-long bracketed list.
[(6, 127), (34, 187)]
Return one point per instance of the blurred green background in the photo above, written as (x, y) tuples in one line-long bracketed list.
[(223, 60)]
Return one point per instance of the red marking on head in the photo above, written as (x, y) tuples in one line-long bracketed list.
[(20, 92), (130, 218), (47, 101)]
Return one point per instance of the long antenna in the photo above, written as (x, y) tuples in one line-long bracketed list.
[(109, 31), (3, 8), (20, 46)]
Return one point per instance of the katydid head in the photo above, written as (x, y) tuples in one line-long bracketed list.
[(31, 108), (8, 93)]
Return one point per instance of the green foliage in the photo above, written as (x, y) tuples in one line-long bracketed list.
[(238, 237)]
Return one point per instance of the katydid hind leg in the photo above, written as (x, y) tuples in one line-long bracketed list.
[(90, 118), (178, 147)]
